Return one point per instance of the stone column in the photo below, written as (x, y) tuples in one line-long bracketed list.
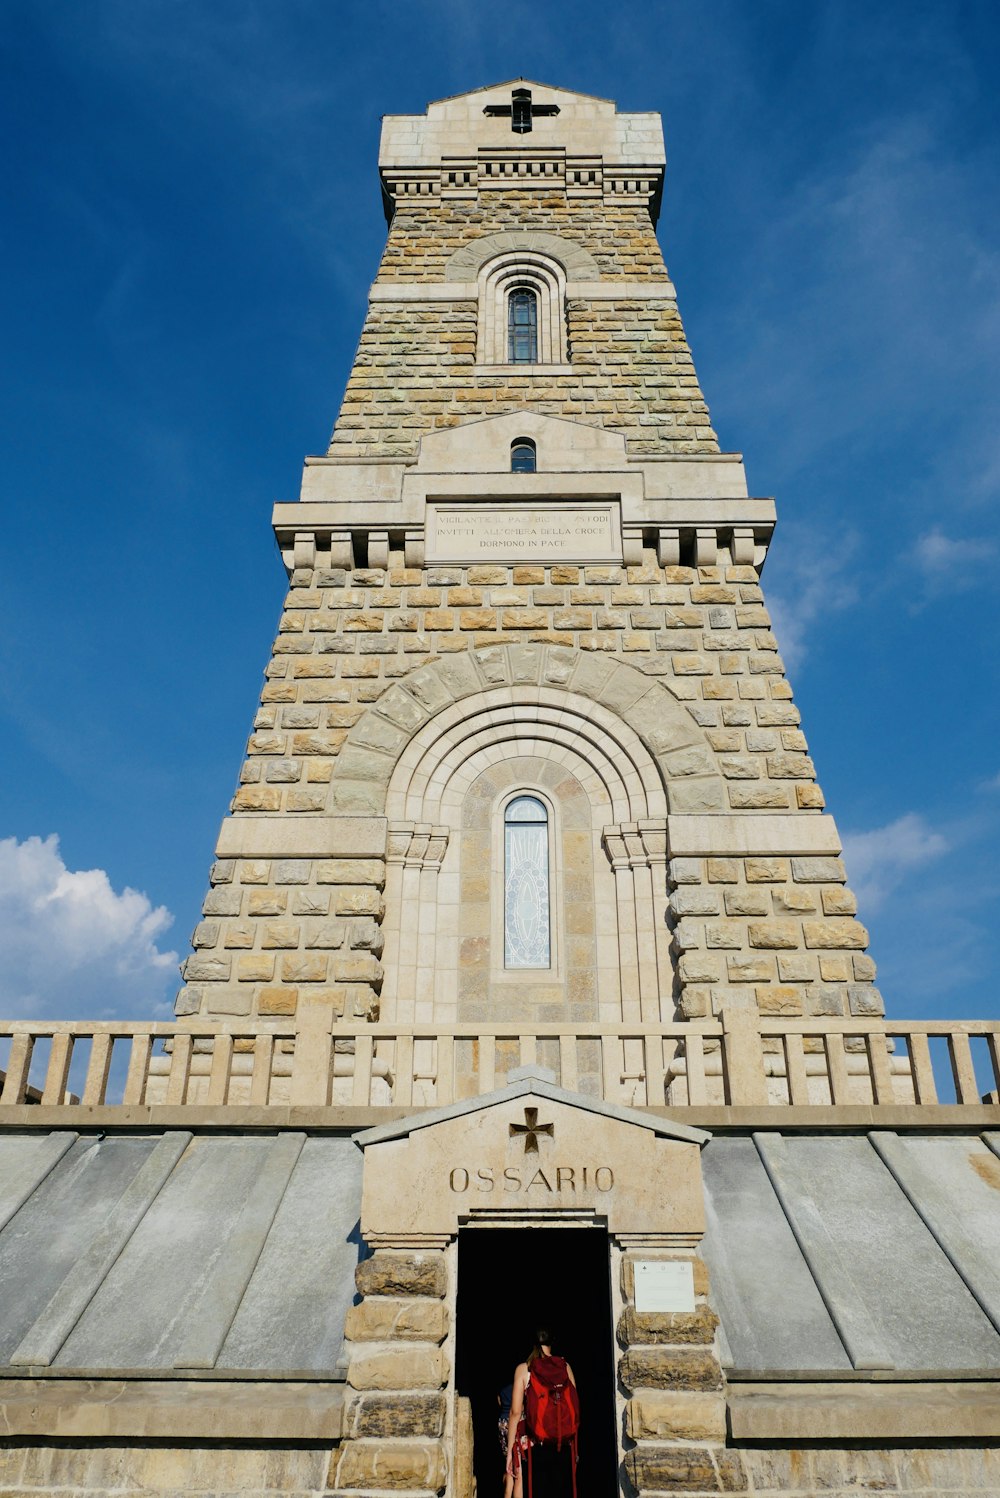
[(395, 1418), (675, 1413)]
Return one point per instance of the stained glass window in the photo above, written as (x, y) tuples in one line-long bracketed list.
[(522, 326), (526, 884)]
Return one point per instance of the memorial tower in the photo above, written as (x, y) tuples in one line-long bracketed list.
[(526, 751), (528, 984)]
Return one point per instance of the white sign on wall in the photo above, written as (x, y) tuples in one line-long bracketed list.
[(557, 532), (664, 1285)]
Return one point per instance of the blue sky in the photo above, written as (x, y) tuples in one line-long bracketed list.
[(192, 221)]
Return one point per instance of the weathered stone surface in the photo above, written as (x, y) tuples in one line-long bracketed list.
[(655, 1328), (685, 1469), (390, 1466), (694, 901), (224, 901), (766, 870), (818, 870), (793, 901), (380, 1319), (207, 969), (369, 871), (280, 934), (304, 967), (657, 1416), (381, 1415), (699, 967), (381, 1366), (357, 967), (746, 902), (255, 967), (267, 902), (223, 998), (359, 901), (839, 932), (329, 934), (771, 935), (160, 1468), (669, 1368), (277, 1000), (388, 1273), (779, 998), (864, 1000), (745, 969)]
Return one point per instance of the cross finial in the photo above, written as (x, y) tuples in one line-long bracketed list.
[(521, 110), (531, 1129)]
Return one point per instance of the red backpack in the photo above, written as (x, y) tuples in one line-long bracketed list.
[(551, 1409)]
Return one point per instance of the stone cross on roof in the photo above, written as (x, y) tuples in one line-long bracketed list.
[(521, 110)]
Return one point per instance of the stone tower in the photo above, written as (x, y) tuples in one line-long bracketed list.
[(523, 568), (528, 885)]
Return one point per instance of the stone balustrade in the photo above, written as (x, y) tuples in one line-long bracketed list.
[(740, 1060)]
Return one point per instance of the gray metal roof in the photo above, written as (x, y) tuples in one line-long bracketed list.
[(235, 1253), (167, 1251), (838, 1252)]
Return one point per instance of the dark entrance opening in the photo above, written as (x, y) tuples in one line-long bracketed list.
[(509, 1279)]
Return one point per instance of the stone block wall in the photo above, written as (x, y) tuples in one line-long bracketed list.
[(675, 1413), (683, 655), (783, 929), (936, 1470), (167, 1469), (630, 367), (395, 1421)]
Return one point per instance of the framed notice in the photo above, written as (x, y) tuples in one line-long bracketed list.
[(555, 532), (664, 1285)]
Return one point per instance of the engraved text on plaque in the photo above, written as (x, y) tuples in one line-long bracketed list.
[(516, 533)]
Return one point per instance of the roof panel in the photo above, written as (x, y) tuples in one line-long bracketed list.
[(142, 1315), (924, 1313), (292, 1315), (43, 1240), (872, 1259), (771, 1310)]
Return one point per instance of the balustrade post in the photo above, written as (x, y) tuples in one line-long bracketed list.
[(312, 1061), (743, 1054)]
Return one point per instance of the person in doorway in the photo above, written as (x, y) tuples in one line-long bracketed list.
[(512, 1467), (543, 1422)]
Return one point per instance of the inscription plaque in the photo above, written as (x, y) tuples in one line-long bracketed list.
[(664, 1285), (556, 532)]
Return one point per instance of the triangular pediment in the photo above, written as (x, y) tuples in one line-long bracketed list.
[(531, 1153), (483, 445), (538, 1087)]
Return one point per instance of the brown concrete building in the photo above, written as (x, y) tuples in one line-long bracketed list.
[(528, 982)]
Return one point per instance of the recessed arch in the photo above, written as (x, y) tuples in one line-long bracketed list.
[(505, 282), (433, 772), (577, 263), (608, 700)]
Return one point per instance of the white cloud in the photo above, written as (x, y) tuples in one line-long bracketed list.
[(879, 860), (949, 562), (72, 945), (807, 591)]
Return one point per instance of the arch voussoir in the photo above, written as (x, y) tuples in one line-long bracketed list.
[(637, 716)]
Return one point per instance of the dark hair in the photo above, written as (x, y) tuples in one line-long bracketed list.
[(543, 1338)]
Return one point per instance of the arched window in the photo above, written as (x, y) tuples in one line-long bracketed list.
[(527, 942), (522, 326), (522, 312), (522, 455)]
